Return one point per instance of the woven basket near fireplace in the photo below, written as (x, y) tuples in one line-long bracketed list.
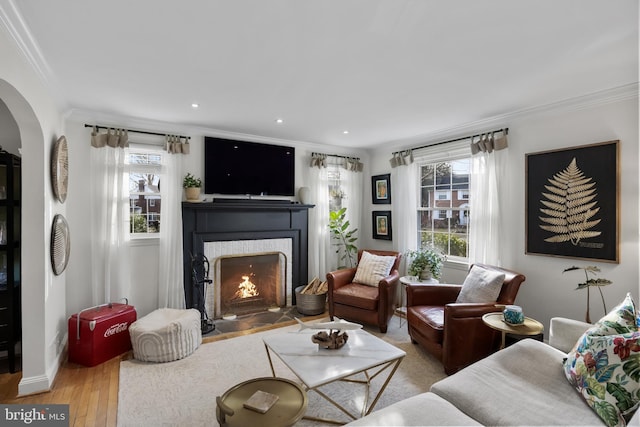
[(308, 303)]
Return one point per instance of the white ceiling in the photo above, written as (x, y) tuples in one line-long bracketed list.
[(385, 70)]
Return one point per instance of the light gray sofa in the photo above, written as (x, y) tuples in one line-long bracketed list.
[(522, 385)]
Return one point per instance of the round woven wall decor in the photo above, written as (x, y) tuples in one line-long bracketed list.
[(60, 244)]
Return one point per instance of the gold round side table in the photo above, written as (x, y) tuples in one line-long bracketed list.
[(286, 411), (496, 321)]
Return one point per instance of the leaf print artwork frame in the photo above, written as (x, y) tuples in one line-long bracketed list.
[(573, 202)]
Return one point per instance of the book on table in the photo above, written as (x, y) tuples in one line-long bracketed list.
[(261, 401)]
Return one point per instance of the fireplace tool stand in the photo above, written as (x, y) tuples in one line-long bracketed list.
[(200, 276)]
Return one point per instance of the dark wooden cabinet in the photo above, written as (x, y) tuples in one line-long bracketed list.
[(10, 231)]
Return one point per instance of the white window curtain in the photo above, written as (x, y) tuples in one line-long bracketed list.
[(351, 182), (170, 275), (319, 238), (322, 255), (110, 266), (488, 167), (405, 196)]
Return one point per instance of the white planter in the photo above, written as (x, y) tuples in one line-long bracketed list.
[(304, 195), (426, 274)]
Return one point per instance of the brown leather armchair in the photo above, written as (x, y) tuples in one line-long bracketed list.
[(363, 303), (454, 332)]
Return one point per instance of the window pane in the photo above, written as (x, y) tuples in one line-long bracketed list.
[(140, 182), (336, 192), (145, 159), (145, 216), (427, 175), (443, 175), (427, 197)]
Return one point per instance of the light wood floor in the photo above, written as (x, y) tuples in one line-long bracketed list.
[(92, 392)]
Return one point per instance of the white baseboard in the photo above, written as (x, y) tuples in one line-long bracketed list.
[(42, 383)]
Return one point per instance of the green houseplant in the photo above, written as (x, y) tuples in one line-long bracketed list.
[(191, 181), (425, 263), (591, 281), (192, 186), (339, 228)]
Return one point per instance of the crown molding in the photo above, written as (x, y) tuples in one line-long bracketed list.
[(15, 26), (592, 100)]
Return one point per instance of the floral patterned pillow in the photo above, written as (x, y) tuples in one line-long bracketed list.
[(620, 320), (604, 366)]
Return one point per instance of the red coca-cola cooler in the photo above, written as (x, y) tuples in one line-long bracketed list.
[(97, 334)]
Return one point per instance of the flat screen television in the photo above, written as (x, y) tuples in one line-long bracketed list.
[(241, 168)]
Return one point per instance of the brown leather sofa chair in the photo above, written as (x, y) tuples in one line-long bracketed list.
[(363, 303), (454, 332)]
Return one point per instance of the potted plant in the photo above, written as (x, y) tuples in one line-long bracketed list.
[(339, 228), (591, 281), (192, 186), (426, 263)]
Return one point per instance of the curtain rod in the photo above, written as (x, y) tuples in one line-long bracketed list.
[(134, 131), (505, 130), (337, 155)]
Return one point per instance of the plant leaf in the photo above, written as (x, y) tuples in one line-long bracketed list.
[(569, 198)]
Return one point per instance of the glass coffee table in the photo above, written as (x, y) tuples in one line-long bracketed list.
[(315, 367)]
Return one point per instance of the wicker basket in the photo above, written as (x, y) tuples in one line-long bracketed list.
[(310, 304)]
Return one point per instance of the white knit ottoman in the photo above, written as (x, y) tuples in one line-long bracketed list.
[(166, 334)]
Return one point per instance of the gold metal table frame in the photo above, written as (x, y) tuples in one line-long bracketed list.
[(370, 373)]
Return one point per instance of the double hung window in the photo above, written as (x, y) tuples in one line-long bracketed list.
[(145, 197), (443, 205)]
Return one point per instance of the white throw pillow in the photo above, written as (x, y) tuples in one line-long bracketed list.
[(481, 286), (373, 268)]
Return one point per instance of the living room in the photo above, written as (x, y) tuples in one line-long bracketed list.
[(584, 112)]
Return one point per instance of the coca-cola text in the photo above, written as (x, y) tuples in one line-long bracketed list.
[(116, 329)]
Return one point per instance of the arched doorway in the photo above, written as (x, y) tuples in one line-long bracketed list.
[(33, 280)]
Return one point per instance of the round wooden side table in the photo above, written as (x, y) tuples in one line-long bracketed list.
[(496, 321), (286, 411)]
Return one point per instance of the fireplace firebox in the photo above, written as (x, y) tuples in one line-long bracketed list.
[(249, 283)]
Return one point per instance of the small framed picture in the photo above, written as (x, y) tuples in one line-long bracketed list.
[(381, 189), (381, 221)]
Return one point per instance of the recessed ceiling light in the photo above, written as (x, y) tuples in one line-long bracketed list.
[(195, 105), (279, 121), (345, 132)]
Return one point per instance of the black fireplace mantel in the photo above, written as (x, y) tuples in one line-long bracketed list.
[(244, 220)]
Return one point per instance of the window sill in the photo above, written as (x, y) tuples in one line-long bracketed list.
[(461, 265), (145, 241)]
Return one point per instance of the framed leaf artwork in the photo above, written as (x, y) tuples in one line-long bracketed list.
[(572, 202)]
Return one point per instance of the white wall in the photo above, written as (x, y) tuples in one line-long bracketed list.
[(547, 292), (144, 255), (43, 294)]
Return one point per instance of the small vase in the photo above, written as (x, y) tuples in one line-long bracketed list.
[(304, 195), (193, 194)]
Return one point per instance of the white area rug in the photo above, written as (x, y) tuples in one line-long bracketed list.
[(182, 393)]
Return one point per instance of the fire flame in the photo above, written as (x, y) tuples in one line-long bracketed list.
[(246, 289)]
